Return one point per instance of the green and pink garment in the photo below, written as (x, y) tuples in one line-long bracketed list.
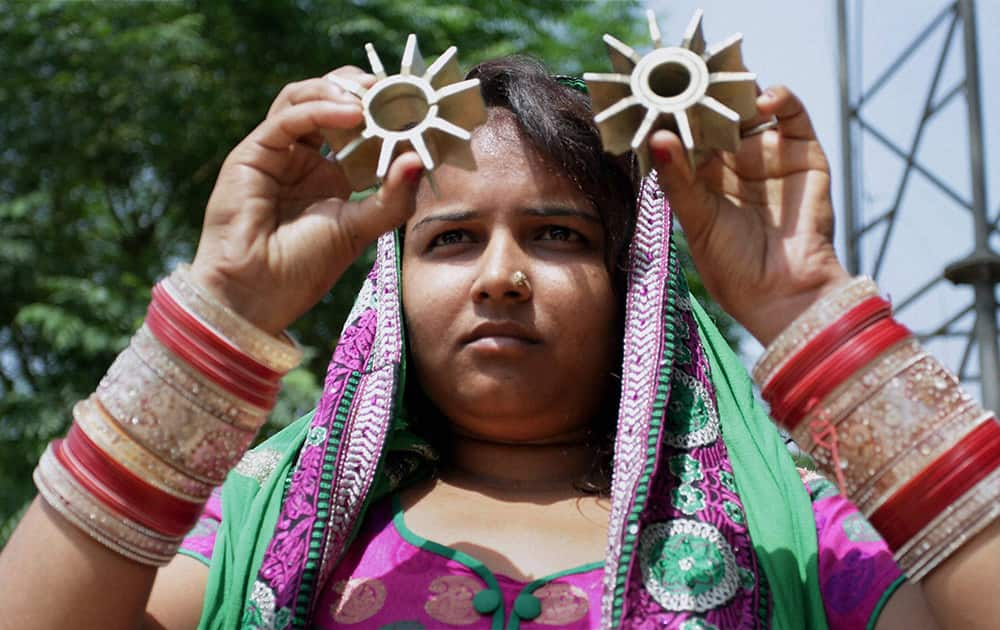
[(711, 524)]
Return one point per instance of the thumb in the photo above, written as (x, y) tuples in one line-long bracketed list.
[(689, 198), (390, 206)]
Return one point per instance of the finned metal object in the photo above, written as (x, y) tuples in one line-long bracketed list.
[(429, 109), (700, 92)]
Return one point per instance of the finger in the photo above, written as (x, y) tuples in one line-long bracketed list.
[(793, 120), (757, 119), (769, 155), (351, 79), (688, 195), (320, 88), (310, 90), (391, 206), (297, 121), (267, 146)]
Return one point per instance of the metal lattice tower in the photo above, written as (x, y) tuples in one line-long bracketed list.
[(912, 221)]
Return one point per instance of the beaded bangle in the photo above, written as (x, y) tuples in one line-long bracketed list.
[(939, 484), (175, 412), (280, 355), (120, 534), (108, 436), (885, 429), (257, 394), (176, 431), (147, 364), (958, 523), (806, 326)]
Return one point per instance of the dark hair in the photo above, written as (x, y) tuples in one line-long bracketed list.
[(558, 122)]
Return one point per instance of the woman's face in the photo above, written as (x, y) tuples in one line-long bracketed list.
[(505, 361)]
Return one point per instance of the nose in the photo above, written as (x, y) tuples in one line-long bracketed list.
[(497, 278)]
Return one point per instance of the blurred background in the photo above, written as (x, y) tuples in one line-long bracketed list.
[(115, 116)]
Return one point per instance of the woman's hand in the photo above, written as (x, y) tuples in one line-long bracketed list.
[(759, 222), (279, 228)]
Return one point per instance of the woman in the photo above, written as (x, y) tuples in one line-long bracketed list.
[(544, 317)]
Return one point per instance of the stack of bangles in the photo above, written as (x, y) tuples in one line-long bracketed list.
[(175, 412), (917, 455)]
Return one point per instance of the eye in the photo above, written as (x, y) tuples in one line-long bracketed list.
[(451, 237), (560, 233)]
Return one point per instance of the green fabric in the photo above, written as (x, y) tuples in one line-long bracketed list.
[(767, 482), (249, 513)]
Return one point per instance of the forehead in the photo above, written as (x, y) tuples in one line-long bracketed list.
[(508, 170)]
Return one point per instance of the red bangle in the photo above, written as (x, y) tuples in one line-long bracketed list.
[(854, 354), (197, 330), (171, 339), (220, 363), (823, 344), (941, 483), (130, 495)]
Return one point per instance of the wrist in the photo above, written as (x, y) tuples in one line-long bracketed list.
[(767, 321), (243, 301)]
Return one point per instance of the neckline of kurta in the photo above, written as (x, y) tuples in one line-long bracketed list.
[(526, 605)]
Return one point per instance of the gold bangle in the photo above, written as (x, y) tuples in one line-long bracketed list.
[(814, 320), (961, 521), (152, 363), (110, 438), (278, 354), (891, 428), (119, 534), (169, 425)]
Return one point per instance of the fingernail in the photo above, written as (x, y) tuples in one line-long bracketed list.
[(413, 175), (768, 95), (663, 156)]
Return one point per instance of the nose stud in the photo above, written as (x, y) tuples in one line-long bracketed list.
[(520, 280)]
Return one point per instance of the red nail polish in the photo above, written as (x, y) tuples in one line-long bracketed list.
[(663, 156), (413, 175)]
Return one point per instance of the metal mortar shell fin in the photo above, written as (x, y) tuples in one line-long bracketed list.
[(700, 92), (429, 109)]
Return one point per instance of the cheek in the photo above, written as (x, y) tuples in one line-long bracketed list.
[(430, 299)]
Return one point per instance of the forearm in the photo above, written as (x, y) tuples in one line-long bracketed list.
[(119, 492), (52, 575), (962, 591), (905, 443)]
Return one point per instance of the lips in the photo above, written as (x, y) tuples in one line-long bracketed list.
[(502, 332)]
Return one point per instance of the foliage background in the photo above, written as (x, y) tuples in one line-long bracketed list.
[(114, 119)]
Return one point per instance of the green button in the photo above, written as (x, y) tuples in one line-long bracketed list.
[(486, 601), (527, 607)]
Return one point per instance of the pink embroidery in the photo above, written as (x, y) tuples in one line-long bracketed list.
[(562, 604), (357, 599), (352, 348), (451, 601)]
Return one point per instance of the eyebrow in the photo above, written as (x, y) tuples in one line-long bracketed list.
[(562, 212), (446, 217), (465, 215)]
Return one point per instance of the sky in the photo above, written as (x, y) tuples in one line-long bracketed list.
[(795, 43)]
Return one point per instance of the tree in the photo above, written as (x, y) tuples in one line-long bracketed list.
[(114, 119)]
